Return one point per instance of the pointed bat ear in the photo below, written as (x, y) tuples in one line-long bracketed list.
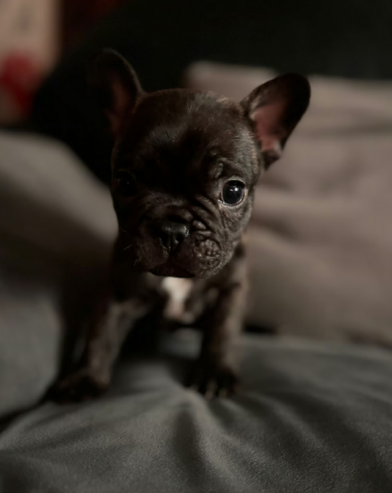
[(115, 87), (274, 109)]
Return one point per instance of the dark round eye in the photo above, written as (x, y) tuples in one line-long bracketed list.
[(126, 184), (233, 192)]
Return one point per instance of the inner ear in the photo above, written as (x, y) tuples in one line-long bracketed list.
[(114, 86), (275, 108)]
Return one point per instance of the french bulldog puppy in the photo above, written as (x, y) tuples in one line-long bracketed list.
[(185, 165)]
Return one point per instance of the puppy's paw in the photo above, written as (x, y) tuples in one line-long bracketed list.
[(80, 386), (214, 380)]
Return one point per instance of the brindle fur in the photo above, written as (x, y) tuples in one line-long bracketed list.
[(180, 147)]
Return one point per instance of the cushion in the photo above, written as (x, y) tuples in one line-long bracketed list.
[(56, 230), (311, 417)]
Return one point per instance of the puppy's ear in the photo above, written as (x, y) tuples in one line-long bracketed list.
[(275, 108), (114, 85)]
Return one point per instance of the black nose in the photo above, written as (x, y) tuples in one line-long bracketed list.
[(172, 234)]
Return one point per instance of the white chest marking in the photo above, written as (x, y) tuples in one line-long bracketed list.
[(178, 290)]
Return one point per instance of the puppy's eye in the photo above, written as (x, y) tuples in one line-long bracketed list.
[(126, 184), (233, 192)]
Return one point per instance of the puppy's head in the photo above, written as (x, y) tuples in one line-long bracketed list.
[(185, 164)]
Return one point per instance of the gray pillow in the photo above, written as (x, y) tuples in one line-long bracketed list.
[(56, 231)]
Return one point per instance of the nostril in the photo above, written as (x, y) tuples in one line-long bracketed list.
[(165, 238), (172, 234), (181, 232)]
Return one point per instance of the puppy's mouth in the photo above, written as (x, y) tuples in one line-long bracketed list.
[(166, 270), (196, 256), (173, 264)]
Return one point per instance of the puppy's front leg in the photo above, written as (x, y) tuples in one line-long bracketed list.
[(109, 327), (216, 372)]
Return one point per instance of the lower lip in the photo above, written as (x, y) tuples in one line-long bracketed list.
[(179, 272)]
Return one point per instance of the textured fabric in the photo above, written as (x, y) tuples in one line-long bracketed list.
[(30, 335), (310, 418), (50, 202), (56, 229)]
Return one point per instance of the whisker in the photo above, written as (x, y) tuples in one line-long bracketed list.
[(127, 247)]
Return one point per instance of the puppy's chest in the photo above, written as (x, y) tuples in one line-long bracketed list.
[(185, 300)]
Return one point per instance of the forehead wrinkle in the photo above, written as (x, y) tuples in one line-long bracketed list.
[(220, 151)]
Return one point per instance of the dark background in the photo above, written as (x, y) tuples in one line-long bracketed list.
[(350, 39)]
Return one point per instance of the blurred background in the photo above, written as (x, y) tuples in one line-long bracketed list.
[(320, 241)]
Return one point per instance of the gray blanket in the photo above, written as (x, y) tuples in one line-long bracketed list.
[(311, 418)]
